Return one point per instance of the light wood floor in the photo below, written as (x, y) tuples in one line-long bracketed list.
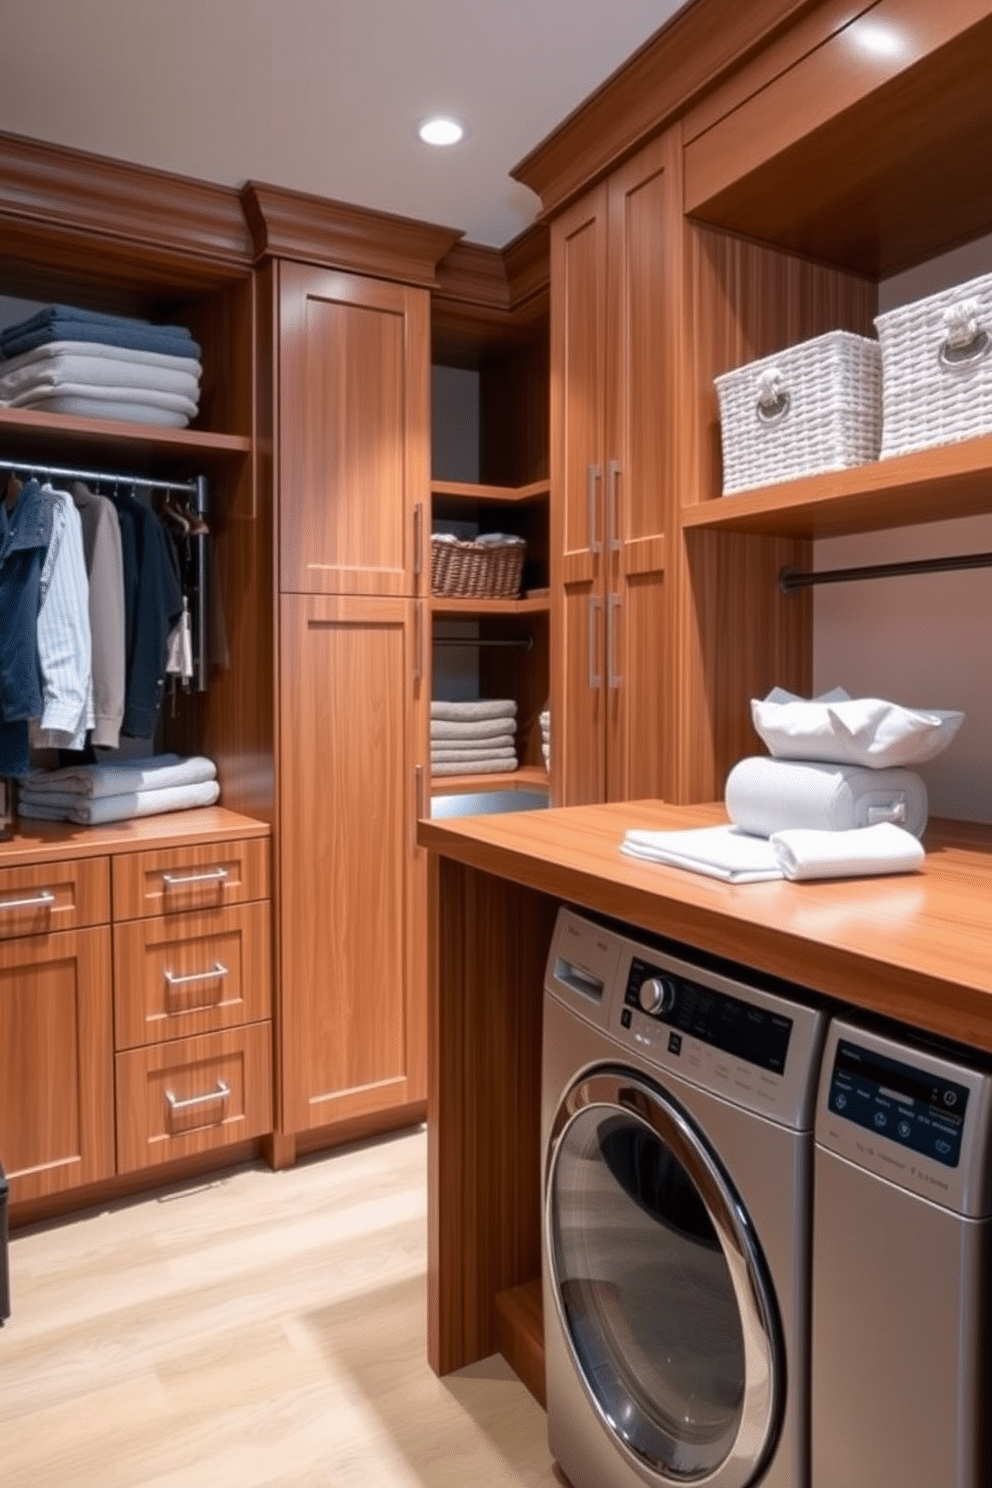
[(255, 1329)]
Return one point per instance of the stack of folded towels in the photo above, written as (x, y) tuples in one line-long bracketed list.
[(544, 718), (64, 360), (473, 738), (835, 800), (91, 794)]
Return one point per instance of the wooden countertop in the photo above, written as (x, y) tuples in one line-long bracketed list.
[(917, 946), (54, 842)]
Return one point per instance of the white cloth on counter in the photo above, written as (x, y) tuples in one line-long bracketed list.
[(151, 772), (862, 852), (472, 712), (91, 811), (765, 795), (836, 728), (723, 852)]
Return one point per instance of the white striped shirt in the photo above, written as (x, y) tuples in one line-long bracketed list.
[(64, 641)]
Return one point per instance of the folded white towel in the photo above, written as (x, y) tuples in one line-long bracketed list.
[(45, 397), (122, 410), (31, 375), (857, 854), (474, 710), (152, 772), (771, 795), (97, 351), (481, 728), (859, 731), (90, 811), (719, 852), (471, 748), (488, 765)]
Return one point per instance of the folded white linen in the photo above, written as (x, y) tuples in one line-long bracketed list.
[(496, 765), (839, 729), (90, 371), (150, 772), (860, 853), (122, 411), (97, 351), (723, 852), (497, 743), (772, 795), (44, 397), (468, 757), (91, 811), (481, 728), (474, 710)]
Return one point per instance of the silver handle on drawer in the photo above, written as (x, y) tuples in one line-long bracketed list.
[(593, 473), (222, 1093), (595, 678), (218, 970), (37, 901), (180, 880)]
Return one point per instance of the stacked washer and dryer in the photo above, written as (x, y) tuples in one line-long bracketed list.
[(721, 1246)]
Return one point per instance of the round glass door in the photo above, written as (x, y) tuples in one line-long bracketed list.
[(660, 1287)]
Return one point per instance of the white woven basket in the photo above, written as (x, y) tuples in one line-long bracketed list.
[(937, 368), (813, 407)]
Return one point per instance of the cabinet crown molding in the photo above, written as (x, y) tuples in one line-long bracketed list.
[(317, 230), (497, 278)]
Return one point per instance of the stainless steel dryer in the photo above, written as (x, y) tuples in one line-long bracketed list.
[(677, 1111)]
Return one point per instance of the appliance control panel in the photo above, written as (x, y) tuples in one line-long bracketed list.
[(756, 1035)]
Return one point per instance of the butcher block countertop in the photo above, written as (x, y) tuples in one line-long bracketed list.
[(917, 946)]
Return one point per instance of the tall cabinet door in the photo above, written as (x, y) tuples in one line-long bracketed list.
[(354, 459), (353, 1005)]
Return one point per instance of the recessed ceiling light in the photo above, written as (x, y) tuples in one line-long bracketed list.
[(878, 40), (442, 130)]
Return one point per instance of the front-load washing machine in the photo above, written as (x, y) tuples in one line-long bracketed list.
[(677, 1108), (902, 1264)]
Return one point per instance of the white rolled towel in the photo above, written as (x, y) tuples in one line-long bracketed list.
[(774, 795), (863, 852)]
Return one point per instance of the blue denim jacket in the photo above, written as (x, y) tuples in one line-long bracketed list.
[(24, 537)]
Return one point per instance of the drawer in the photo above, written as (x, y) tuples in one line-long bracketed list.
[(179, 975), (208, 875), (192, 1095), (39, 898)]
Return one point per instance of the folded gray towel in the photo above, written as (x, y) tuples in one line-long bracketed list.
[(468, 757), (92, 810), (152, 772), (483, 728), (497, 766), (473, 711)]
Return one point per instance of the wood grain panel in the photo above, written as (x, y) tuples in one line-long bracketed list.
[(227, 1078), (207, 876), (520, 1335), (37, 900), (484, 1171), (56, 1061), (187, 974)]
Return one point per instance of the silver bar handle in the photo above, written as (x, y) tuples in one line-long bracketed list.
[(612, 532), (217, 971), (613, 676), (418, 641), (37, 901), (418, 776), (595, 678), (180, 880), (418, 537), (593, 474), (222, 1093)]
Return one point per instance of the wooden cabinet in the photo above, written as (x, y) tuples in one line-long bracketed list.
[(352, 782), (353, 432), (615, 341)]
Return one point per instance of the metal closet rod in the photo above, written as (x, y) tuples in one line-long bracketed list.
[(526, 643), (196, 485), (791, 578)]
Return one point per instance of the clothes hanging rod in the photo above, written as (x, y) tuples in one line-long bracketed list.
[(193, 486), (526, 643), (791, 579)]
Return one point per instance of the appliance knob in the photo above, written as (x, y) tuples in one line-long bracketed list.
[(656, 995)]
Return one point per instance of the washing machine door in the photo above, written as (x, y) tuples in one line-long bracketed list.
[(661, 1290)]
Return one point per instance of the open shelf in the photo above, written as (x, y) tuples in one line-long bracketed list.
[(469, 491), (954, 480), (524, 778), (443, 605), (25, 433)]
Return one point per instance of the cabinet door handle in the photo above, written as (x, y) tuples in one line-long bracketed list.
[(190, 1102), (419, 791), (612, 529), (217, 971), (180, 880), (418, 641), (613, 676), (595, 608), (593, 474), (418, 537), (37, 901)]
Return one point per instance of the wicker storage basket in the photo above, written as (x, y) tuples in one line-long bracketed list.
[(813, 407), (483, 568), (937, 368)]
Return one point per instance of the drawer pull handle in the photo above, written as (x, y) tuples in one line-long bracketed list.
[(217, 970), (180, 880), (37, 901), (222, 1093)]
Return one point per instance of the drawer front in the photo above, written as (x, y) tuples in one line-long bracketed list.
[(46, 897), (178, 1099), (180, 975), (209, 875)]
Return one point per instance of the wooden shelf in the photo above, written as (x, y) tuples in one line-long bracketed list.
[(906, 491), (467, 491), (27, 434), (441, 605), (525, 778)]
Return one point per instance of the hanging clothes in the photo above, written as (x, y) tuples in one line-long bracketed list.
[(156, 601), (65, 652), (105, 567), (25, 531)]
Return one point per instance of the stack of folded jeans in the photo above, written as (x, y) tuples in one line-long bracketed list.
[(473, 738), (84, 363)]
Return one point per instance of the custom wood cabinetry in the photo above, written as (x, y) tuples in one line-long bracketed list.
[(615, 276)]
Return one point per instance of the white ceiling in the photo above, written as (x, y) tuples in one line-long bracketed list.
[(320, 95)]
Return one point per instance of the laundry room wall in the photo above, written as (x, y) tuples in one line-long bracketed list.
[(924, 640)]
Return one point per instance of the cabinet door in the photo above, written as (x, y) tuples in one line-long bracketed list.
[(354, 422), (56, 1061), (353, 733)]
